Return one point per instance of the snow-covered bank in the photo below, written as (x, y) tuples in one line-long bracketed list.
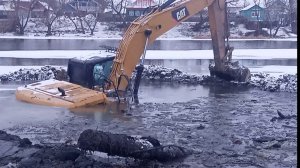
[(157, 54), (64, 28), (38, 73), (264, 81)]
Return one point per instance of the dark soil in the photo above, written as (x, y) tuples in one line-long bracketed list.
[(233, 127)]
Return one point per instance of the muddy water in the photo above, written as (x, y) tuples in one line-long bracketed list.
[(14, 112), (219, 123)]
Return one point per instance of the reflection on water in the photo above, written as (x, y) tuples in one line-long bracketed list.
[(170, 92), (102, 112), (92, 44), (14, 112)]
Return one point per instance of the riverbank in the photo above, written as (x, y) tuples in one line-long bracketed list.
[(263, 81), (64, 28)]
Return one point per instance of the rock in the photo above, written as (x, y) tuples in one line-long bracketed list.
[(231, 71), (263, 139), (25, 142), (17, 152), (46, 72), (200, 127)]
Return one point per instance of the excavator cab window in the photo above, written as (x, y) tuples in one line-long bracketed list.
[(90, 72), (101, 72)]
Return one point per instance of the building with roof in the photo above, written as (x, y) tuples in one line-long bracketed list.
[(7, 12), (139, 7), (74, 7), (254, 12)]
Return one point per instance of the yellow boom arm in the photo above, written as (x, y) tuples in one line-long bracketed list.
[(144, 30)]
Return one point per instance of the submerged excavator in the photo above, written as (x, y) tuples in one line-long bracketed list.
[(102, 79)]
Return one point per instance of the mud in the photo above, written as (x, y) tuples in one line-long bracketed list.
[(233, 127), (236, 125), (17, 152)]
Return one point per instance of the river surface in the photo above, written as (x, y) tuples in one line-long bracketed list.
[(7, 44)]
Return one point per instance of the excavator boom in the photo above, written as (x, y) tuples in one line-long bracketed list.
[(146, 29)]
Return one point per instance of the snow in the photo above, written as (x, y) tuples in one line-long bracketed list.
[(63, 28), (6, 7), (11, 69), (156, 54), (274, 70)]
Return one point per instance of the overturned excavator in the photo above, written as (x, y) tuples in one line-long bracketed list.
[(99, 80)]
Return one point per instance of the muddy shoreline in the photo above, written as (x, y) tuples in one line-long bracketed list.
[(153, 73), (228, 129)]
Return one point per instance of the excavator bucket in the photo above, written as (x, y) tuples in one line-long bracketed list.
[(223, 66), (60, 94), (231, 71)]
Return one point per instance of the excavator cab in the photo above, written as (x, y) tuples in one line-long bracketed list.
[(90, 72)]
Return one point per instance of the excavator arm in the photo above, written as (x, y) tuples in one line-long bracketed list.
[(146, 29)]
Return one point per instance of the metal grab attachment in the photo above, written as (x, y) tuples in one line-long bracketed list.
[(147, 34), (140, 67), (138, 77), (228, 49)]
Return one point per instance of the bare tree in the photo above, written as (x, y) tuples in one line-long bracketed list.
[(269, 13), (94, 14), (119, 8), (276, 10), (293, 14), (22, 14), (91, 21), (257, 13), (52, 12), (80, 14), (245, 3)]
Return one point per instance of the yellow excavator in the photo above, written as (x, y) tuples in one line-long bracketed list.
[(99, 80)]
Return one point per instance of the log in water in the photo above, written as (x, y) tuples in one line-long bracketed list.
[(128, 146)]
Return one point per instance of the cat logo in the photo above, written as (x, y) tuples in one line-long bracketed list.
[(180, 13)]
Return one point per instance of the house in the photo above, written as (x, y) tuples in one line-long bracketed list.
[(138, 8), (7, 6), (82, 6), (254, 13), (141, 7), (7, 12)]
